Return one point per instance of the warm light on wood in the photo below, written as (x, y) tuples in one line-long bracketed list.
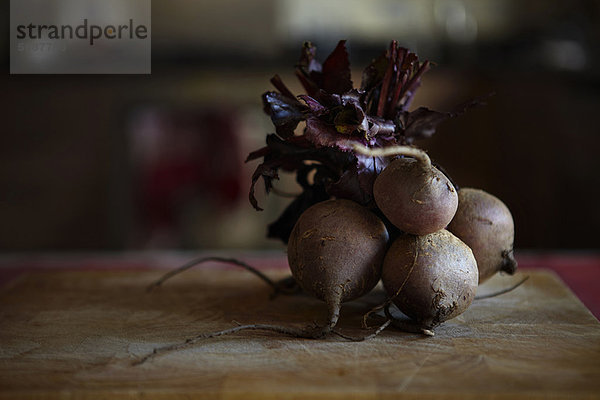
[(75, 334)]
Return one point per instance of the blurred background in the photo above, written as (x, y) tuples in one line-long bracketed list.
[(127, 162)]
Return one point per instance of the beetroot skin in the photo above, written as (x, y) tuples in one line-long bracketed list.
[(431, 278), (486, 225), (337, 246), (417, 199)]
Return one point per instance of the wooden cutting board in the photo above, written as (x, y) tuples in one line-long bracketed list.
[(75, 334)]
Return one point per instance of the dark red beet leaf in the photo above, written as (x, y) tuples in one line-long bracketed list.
[(286, 112), (337, 77), (338, 116)]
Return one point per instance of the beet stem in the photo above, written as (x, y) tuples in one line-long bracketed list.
[(387, 80), (418, 154)]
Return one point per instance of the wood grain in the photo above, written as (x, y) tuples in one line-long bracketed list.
[(75, 334)]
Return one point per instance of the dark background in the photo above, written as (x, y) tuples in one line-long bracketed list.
[(113, 162)]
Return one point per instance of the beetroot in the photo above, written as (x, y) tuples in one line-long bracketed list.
[(430, 278), (414, 195), (336, 251), (486, 225), (355, 148)]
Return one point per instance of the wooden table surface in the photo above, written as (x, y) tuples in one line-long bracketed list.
[(75, 334)]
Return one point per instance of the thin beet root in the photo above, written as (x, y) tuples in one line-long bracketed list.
[(306, 333), (310, 332), (390, 300), (363, 338), (294, 332), (406, 326), (503, 291), (373, 310), (280, 287)]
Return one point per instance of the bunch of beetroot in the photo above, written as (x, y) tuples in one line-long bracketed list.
[(373, 206)]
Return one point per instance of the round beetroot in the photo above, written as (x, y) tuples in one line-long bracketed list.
[(336, 251), (415, 199), (337, 245), (414, 196), (431, 278), (486, 225)]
